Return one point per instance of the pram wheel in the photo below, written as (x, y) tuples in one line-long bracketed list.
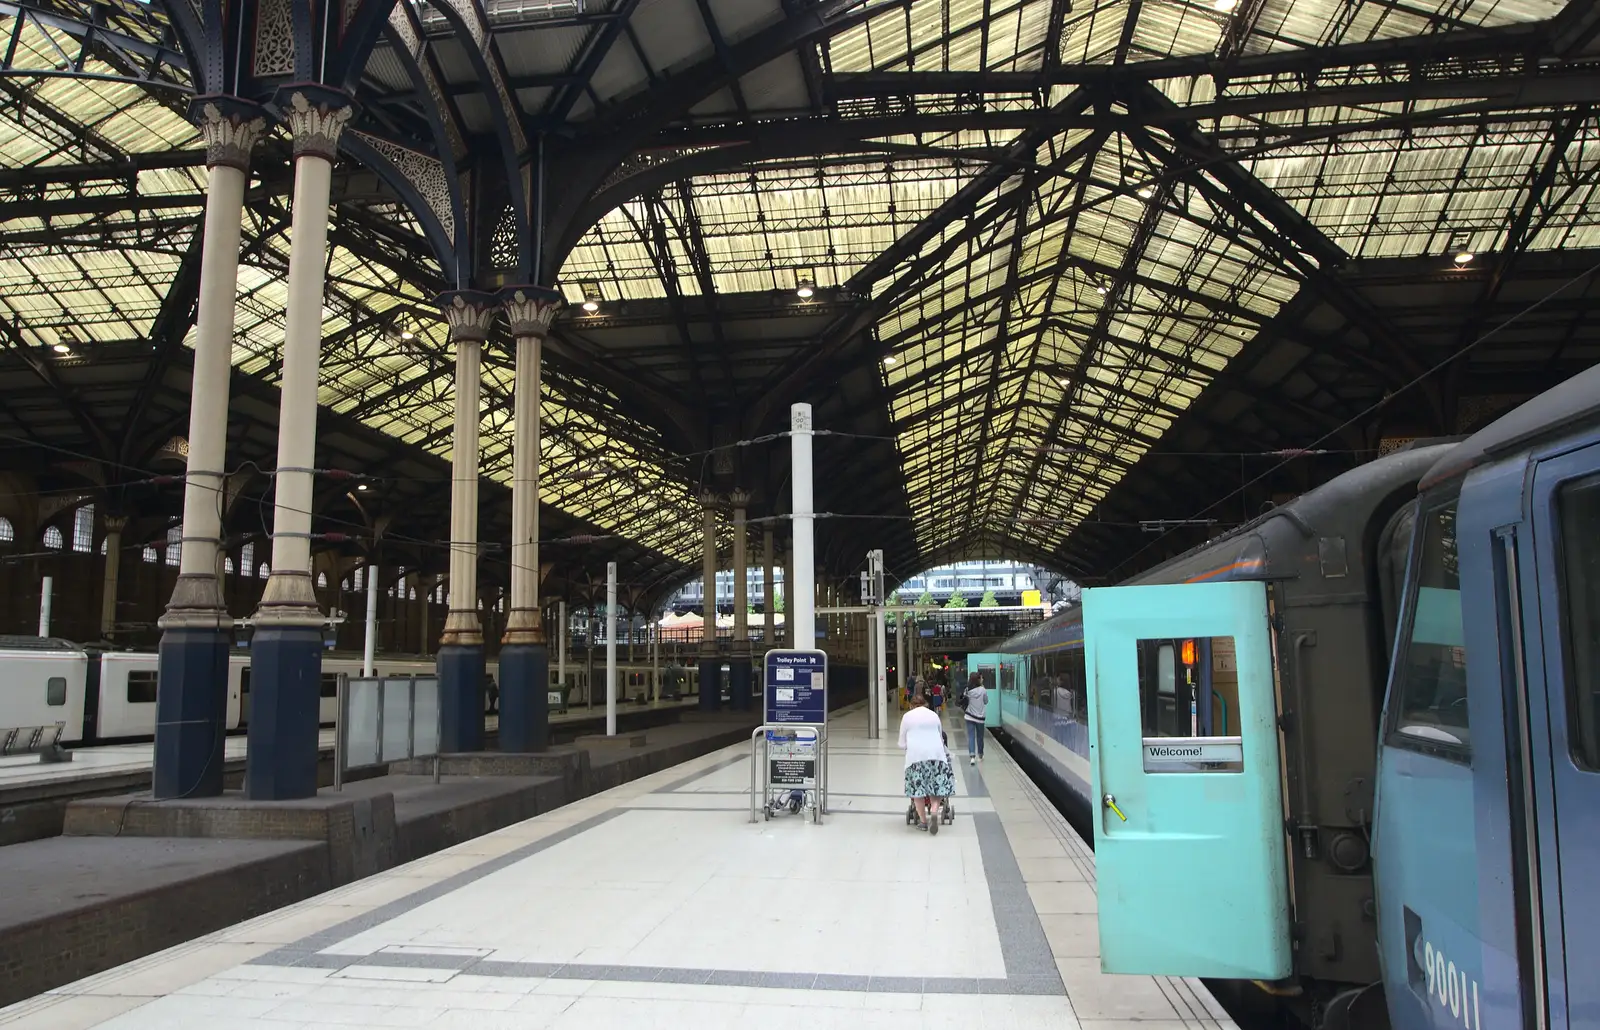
[(911, 814)]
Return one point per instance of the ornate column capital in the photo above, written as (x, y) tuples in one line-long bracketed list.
[(114, 523), (230, 126), (470, 314), (710, 501), (316, 116), (739, 499), (530, 309)]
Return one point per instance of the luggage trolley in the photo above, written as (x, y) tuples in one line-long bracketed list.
[(789, 751)]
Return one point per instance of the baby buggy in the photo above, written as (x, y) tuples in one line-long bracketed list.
[(947, 808)]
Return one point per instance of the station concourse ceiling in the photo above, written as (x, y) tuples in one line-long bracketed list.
[(1080, 270)]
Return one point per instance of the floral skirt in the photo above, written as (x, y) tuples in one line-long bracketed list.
[(930, 779)]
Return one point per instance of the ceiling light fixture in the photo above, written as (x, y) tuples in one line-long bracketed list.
[(361, 486), (1101, 290), (1464, 257), (406, 334), (889, 360), (1459, 247), (591, 296), (591, 306), (62, 348), (1147, 191), (805, 282), (1225, 6)]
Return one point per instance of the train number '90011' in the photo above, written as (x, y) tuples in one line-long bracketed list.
[(1449, 987)]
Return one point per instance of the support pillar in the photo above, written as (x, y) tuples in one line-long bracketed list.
[(739, 671), (286, 649), (710, 660), (108, 593), (769, 636), (459, 662), (524, 654), (192, 696)]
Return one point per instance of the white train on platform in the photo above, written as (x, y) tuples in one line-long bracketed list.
[(111, 695)]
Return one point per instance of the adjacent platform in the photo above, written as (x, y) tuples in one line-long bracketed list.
[(657, 904)]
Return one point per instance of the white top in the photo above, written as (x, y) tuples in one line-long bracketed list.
[(977, 703), (922, 736)]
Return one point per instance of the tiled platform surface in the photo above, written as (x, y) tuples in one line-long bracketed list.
[(657, 904)]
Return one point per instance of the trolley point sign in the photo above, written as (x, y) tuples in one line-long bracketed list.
[(797, 687)]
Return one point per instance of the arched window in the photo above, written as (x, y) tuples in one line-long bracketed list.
[(53, 538), (103, 542), (83, 529), (264, 571), (227, 566), (322, 579), (360, 580), (8, 532), (151, 555), (174, 544), (411, 594), (344, 584)]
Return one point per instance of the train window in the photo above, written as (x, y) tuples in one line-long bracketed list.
[(1394, 550), (141, 687), (55, 691), (330, 684), (1189, 699), (1578, 505), (1432, 668)]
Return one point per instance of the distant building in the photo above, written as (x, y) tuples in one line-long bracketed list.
[(1009, 580)]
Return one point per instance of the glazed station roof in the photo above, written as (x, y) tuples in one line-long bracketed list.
[(1053, 251)]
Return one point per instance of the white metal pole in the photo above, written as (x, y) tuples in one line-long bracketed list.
[(880, 665), (369, 651), (611, 649), (873, 720), (654, 629), (902, 675), (561, 645), (45, 590), (802, 602)]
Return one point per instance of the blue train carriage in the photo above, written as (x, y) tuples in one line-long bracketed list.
[(1488, 828), (1248, 680)]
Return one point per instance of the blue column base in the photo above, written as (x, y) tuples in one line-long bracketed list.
[(461, 701), (710, 684), (191, 713), (285, 702), (524, 697), (741, 680)]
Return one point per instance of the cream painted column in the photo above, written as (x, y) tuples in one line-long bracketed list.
[(524, 658), (710, 660), (108, 594), (470, 316), (316, 118), (768, 576), (286, 649), (192, 702), (739, 668)]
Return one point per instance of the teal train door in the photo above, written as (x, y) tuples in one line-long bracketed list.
[(1189, 845)]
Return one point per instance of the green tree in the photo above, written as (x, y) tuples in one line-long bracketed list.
[(989, 600), (894, 598), (926, 600), (777, 601), (957, 600)]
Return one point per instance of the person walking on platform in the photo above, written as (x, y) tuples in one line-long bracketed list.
[(976, 700), (929, 776)]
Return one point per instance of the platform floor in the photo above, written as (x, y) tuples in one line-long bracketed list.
[(658, 904), (19, 771)]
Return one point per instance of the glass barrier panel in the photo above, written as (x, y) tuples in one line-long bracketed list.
[(361, 729), (396, 720), (425, 730)]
